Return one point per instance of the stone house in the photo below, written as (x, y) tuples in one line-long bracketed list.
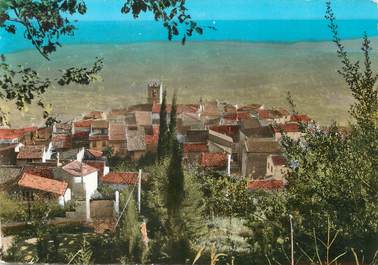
[(99, 135), (117, 139), (136, 143), (34, 154), (291, 129), (254, 157)]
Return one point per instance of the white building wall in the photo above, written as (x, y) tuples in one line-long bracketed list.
[(90, 186)]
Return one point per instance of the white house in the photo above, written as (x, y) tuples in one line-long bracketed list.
[(276, 167), (83, 180)]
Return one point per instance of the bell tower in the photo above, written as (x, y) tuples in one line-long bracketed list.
[(154, 92)]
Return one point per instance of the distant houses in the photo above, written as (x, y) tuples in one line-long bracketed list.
[(68, 161)]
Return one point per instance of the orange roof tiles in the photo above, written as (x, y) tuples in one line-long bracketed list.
[(123, 178), (43, 184), (187, 108), (229, 130), (40, 171), (98, 164), (213, 159), (10, 134), (95, 153), (31, 152), (81, 135), (117, 132), (98, 137), (77, 168), (272, 113), (195, 147), (83, 124), (300, 118), (237, 116), (265, 184), (93, 115), (249, 107), (287, 127), (61, 141)]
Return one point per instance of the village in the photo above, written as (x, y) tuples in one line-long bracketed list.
[(69, 162)]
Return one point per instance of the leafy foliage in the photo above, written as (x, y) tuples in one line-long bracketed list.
[(172, 13), (44, 22), (332, 177), (83, 256), (172, 236), (10, 209), (25, 85), (175, 189), (82, 76), (225, 196), (129, 235)]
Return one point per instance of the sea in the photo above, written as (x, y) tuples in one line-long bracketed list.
[(273, 31), (241, 61)]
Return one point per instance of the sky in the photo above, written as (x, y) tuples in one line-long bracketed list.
[(246, 9)]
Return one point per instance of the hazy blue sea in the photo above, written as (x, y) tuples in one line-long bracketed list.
[(281, 31)]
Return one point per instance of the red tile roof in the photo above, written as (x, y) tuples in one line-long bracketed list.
[(62, 141), (249, 107), (153, 139), (237, 116), (40, 171), (229, 130), (123, 178), (187, 108), (93, 115), (98, 164), (278, 160), (213, 159), (10, 134), (81, 135), (83, 124), (117, 132), (77, 168), (272, 113), (95, 153), (98, 137), (195, 148), (287, 127), (31, 152), (265, 184), (300, 118), (43, 184)]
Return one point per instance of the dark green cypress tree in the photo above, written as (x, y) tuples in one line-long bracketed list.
[(173, 123), (175, 185), (163, 146), (178, 243)]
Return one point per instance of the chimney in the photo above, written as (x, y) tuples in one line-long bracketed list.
[(161, 93), (228, 164), (139, 188), (58, 164), (116, 203)]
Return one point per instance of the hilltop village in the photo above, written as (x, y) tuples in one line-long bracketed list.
[(70, 160)]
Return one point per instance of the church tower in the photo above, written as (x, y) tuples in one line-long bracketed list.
[(154, 92)]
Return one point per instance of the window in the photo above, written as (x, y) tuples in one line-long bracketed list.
[(94, 144)]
